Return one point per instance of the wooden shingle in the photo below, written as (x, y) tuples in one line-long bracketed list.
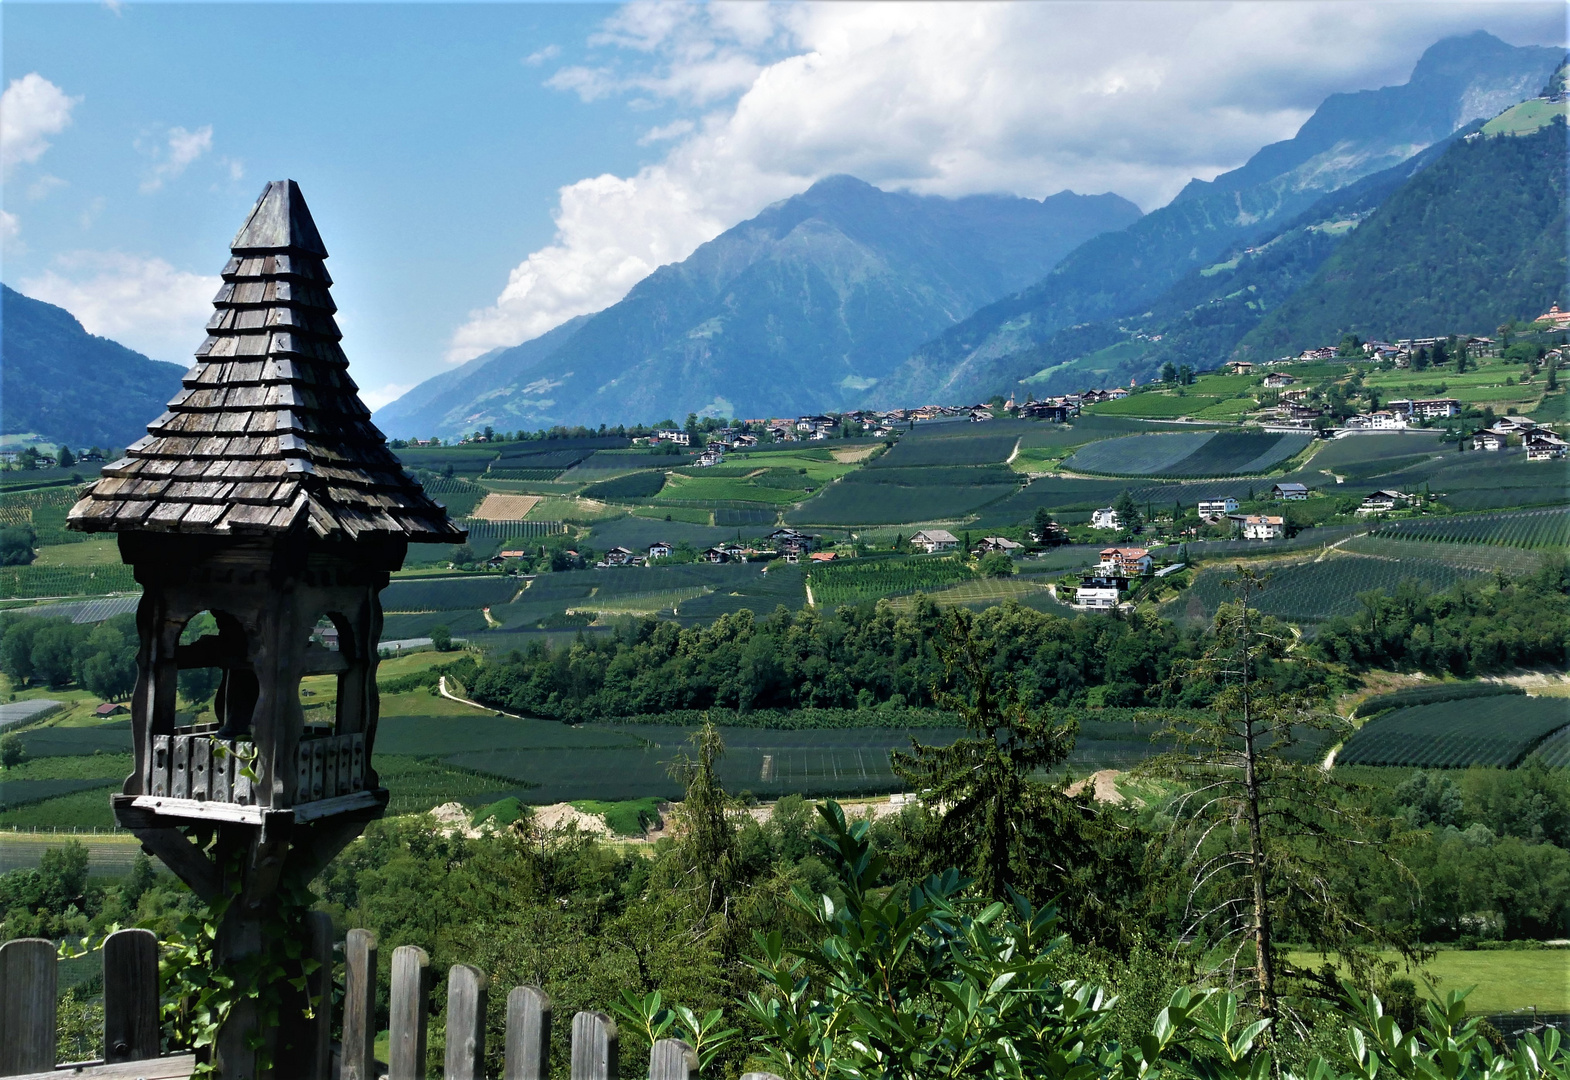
[(268, 432)]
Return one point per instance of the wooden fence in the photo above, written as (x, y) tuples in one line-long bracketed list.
[(28, 994)]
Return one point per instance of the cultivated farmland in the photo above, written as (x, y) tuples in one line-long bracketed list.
[(1188, 454), (1496, 732), (866, 579), (1315, 591), (1530, 529)]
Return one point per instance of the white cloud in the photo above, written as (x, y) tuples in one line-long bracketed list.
[(10, 227), (539, 56), (40, 188), (143, 303), (31, 109), (943, 98), (182, 148), (384, 395)]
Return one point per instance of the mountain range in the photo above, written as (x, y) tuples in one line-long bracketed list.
[(801, 309), (1386, 214), (65, 385)]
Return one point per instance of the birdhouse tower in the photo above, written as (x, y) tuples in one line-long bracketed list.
[(265, 498)]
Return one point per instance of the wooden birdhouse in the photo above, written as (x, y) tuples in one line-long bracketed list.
[(265, 498)]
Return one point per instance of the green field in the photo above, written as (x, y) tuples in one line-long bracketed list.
[(1529, 529), (1505, 979), (1525, 118), (1162, 405), (1482, 558), (988, 592), (1497, 732)]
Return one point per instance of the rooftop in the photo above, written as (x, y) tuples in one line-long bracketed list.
[(268, 433)]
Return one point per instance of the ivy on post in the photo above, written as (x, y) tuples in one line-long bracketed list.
[(264, 497)]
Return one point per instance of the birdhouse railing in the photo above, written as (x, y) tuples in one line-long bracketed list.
[(193, 765), (29, 987)]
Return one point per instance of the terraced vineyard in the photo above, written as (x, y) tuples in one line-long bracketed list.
[(1482, 558), (1495, 732), (858, 580), (1530, 529), (1554, 751), (1315, 591), (30, 582), (1188, 454), (987, 592)]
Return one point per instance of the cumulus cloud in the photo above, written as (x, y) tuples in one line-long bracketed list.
[(143, 303), (941, 98), (384, 395), (10, 228), (181, 148), (539, 56), (31, 109)]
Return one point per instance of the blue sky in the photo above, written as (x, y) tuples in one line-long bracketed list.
[(482, 172)]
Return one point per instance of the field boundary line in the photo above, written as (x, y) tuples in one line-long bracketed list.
[(1331, 547)]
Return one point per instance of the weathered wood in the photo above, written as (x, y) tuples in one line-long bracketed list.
[(175, 1067), (594, 1047), (407, 1016), (130, 996), (320, 984), (672, 1059), (359, 1006), (759, 1076), (28, 990), (467, 994), (528, 1034)]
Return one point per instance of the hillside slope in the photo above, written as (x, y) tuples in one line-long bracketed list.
[(65, 385), (1457, 80), (800, 309), (1477, 238)]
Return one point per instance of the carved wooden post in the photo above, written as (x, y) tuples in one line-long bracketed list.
[(410, 992), (467, 994), (130, 996), (672, 1059), (28, 989), (594, 1047), (359, 1006), (528, 1034), (264, 497)]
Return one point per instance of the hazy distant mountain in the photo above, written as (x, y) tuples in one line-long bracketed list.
[(1457, 81), (802, 308), (59, 382), (1477, 238)]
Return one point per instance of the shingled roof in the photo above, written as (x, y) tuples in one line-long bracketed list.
[(268, 433)]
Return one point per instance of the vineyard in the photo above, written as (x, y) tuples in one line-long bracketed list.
[(919, 449), (1522, 529), (987, 592), (1187, 454), (857, 581), (1482, 558), (638, 485), (1315, 591), (1495, 732), (439, 594), (1554, 751), (893, 496), (30, 582), (45, 510)]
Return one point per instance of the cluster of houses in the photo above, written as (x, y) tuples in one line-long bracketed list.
[(1540, 443)]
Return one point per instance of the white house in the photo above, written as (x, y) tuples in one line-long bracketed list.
[(1124, 562), (660, 549), (1278, 379), (1384, 501), (1214, 508), (935, 540), (680, 438), (1290, 492), (618, 556), (710, 457), (1105, 518), (1543, 446), (1492, 439), (1263, 527), (1097, 594)]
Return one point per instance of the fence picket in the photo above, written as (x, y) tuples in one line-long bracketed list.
[(27, 1007), (594, 1055), (410, 993), (467, 991), (528, 1034), (672, 1059), (359, 1006), (130, 996)]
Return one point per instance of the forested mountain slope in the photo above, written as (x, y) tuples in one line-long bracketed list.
[(65, 385), (1477, 238), (1457, 81)]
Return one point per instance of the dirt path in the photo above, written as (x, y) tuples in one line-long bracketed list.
[(441, 686)]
